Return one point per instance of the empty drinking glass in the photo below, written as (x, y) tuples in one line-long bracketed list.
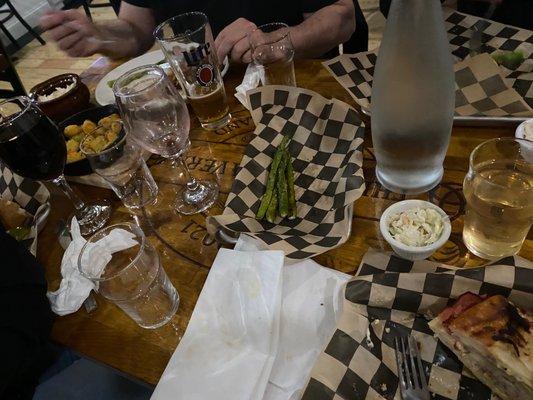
[(187, 41), (127, 271), (157, 118), (273, 53), (122, 165)]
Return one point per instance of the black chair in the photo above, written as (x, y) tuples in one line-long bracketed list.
[(87, 5), (7, 14), (8, 73)]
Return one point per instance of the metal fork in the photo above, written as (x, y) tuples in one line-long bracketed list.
[(412, 379)]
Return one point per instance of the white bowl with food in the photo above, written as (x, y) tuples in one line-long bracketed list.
[(415, 229)]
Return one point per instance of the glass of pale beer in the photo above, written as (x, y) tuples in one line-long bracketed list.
[(273, 53), (187, 42), (499, 195)]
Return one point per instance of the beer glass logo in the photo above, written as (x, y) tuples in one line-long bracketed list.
[(204, 72)]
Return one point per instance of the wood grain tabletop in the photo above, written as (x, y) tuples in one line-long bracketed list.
[(108, 336)]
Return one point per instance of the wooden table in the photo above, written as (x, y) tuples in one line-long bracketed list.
[(107, 335)]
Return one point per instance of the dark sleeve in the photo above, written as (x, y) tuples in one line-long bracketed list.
[(140, 3), (310, 6), (25, 323)]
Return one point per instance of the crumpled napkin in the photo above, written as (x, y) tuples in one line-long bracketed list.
[(254, 75), (74, 287)]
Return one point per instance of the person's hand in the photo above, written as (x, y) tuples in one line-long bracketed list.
[(232, 41), (72, 31)]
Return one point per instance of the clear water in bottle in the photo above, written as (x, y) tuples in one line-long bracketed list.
[(413, 98)]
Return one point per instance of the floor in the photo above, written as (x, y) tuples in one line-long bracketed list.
[(36, 63)]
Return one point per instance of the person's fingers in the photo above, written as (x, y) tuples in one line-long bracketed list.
[(238, 50), (223, 48), (75, 15), (224, 42), (247, 57), (52, 19), (84, 27), (68, 42), (82, 48), (59, 32), (231, 34)]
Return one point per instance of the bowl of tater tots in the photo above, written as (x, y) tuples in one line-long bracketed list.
[(103, 123)]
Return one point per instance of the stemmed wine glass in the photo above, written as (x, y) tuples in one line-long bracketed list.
[(32, 146), (156, 116)]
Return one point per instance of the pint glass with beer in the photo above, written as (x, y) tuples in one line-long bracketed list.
[(187, 42)]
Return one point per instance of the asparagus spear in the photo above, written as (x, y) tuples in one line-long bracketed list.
[(283, 200), (290, 187), (271, 181), (272, 208)]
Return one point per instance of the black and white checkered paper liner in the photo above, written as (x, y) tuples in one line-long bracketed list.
[(494, 91), (391, 296), (326, 149), (31, 195)]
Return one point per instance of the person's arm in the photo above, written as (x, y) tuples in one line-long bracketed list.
[(127, 36), (321, 31), (324, 29)]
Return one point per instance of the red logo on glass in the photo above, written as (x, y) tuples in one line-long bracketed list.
[(205, 74)]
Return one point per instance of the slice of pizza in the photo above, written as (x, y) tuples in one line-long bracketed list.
[(493, 339)]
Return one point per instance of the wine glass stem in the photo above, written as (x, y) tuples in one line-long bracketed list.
[(60, 181), (192, 185)]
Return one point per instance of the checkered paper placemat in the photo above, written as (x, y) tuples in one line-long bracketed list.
[(496, 91), (31, 195), (326, 148), (495, 37), (391, 297)]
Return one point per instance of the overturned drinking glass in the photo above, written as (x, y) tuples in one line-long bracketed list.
[(127, 271)]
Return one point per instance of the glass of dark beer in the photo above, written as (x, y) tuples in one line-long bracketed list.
[(32, 146), (188, 45)]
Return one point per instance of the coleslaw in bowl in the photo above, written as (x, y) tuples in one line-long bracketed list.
[(415, 229)]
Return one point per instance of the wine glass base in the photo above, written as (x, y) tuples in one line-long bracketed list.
[(196, 201), (94, 216)]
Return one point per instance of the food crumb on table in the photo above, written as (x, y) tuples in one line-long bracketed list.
[(368, 340)]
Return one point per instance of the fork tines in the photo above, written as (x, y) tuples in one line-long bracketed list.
[(412, 379)]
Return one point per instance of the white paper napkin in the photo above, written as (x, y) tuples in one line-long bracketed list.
[(230, 344), (219, 357), (253, 76), (74, 287), (311, 304)]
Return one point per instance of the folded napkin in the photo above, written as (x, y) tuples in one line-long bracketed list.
[(391, 296), (252, 77), (74, 287), (303, 321), (229, 347)]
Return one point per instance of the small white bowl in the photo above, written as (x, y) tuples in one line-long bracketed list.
[(520, 132), (412, 252)]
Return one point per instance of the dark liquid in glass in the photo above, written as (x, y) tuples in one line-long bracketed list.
[(32, 146)]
